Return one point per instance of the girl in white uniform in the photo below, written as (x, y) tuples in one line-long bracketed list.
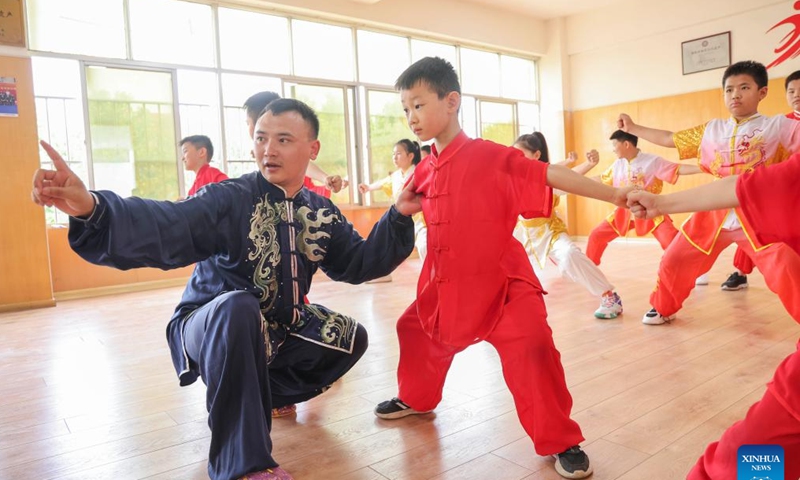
[(545, 238), (405, 155)]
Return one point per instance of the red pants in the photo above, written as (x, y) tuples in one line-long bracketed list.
[(742, 262), (682, 263), (774, 420), (531, 367), (604, 233)]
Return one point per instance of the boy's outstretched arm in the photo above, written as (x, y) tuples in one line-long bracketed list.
[(716, 195), (562, 178), (652, 135)]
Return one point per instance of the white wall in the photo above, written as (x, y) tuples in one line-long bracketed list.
[(632, 51), (443, 19)]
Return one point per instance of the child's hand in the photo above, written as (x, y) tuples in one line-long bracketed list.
[(620, 198), (624, 122), (334, 183), (644, 204), (61, 187), (363, 188), (572, 157), (592, 157), (408, 202)]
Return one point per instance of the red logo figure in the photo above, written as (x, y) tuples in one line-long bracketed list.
[(790, 44)]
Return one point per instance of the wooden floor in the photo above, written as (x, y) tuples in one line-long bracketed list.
[(87, 389)]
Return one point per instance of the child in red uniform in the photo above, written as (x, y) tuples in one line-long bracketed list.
[(477, 283), (197, 152), (763, 196), (744, 142), (744, 265)]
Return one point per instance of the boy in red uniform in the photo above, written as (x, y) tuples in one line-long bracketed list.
[(197, 152), (763, 196), (742, 143), (477, 283)]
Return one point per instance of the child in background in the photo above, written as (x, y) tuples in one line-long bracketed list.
[(642, 170), (197, 152), (406, 155), (545, 238), (742, 143)]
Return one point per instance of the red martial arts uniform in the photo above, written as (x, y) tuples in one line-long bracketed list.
[(319, 190), (723, 148), (207, 174), (477, 284), (767, 197)]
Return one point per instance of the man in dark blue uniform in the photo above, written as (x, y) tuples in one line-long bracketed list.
[(242, 324)]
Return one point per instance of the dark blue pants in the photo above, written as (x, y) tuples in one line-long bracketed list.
[(224, 342)]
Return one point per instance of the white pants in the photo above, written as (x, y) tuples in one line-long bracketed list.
[(575, 265), (421, 239)]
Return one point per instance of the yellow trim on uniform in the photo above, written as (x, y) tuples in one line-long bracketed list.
[(688, 141)]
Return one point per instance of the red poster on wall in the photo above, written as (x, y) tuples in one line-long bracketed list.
[(789, 46), (8, 97)]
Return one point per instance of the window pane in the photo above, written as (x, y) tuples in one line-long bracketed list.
[(133, 132), (528, 116), (480, 72), (469, 116), (268, 50), (322, 51), (238, 144), (84, 27), (381, 58), (421, 49), (519, 77), (497, 122), (59, 117), (329, 104), (198, 100), (387, 126), (170, 31)]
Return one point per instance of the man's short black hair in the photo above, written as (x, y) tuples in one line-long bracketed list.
[(256, 104), (283, 105)]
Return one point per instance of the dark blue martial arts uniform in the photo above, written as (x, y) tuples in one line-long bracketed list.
[(242, 324)]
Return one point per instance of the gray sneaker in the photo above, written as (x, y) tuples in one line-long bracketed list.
[(394, 409), (573, 463)]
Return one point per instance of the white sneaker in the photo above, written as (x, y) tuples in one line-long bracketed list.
[(610, 307), (654, 318), (702, 280)]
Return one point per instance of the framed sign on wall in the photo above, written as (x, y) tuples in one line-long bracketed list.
[(706, 53), (12, 25)]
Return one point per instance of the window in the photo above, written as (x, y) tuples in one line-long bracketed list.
[(238, 143), (387, 126), (198, 103), (334, 118), (381, 58), (519, 78), (480, 72), (132, 131), (169, 31), (528, 117), (323, 51), (201, 61), (497, 122), (81, 27), (255, 42), (59, 117)]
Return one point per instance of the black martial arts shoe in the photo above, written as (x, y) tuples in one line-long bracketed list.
[(394, 409), (573, 463)]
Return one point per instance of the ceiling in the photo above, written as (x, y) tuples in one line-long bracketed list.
[(545, 9)]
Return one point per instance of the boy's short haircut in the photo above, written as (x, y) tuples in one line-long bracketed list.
[(621, 136), (791, 78), (436, 72), (283, 105), (257, 102), (200, 141), (756, 71)]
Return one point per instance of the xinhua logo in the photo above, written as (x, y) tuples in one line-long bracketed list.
[(760, 462)]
